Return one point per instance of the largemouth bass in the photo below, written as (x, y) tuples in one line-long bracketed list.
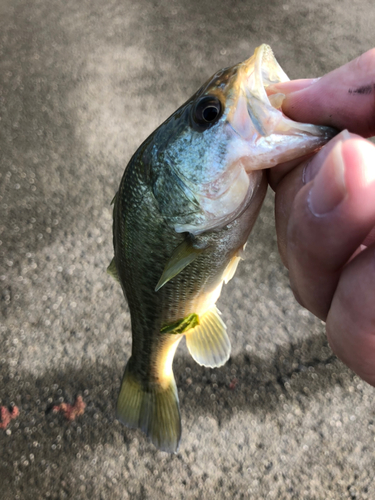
[(182, 215)]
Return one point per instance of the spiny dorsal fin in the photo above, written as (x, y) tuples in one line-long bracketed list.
[(114, 199), (209, 343), (183, 255), (112, 270)]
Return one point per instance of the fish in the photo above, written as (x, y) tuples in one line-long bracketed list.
[(182, 215)]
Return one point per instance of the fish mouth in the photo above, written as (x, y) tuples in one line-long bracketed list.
[(258, 118), (262, 70), (254, 109)]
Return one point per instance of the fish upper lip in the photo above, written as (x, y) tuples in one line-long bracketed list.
[(254, 75), (264, 115)]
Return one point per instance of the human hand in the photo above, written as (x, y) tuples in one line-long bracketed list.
[(325, 210)]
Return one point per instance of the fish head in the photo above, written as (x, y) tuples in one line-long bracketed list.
[(217, 143)]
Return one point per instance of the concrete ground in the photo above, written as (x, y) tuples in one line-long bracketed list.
[(81, 85)]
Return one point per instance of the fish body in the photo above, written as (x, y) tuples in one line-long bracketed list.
[(185, 207)]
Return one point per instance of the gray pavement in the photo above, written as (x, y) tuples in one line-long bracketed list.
[(81, 85)]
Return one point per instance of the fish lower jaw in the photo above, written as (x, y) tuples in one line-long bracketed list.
[(262, 152)]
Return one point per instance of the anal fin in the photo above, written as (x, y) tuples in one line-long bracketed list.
[(208, 343), (154, 409)]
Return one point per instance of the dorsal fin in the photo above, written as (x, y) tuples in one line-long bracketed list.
[(112, 270), (114, 198), (208, 343)]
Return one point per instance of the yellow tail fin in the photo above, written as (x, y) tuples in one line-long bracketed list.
[(154, 409)]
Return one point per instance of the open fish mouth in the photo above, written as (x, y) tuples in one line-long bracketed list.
[(258, 118)]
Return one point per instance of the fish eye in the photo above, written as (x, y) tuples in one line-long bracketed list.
[(207, 110)]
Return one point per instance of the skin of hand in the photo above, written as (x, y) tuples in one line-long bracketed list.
[(325, 209)]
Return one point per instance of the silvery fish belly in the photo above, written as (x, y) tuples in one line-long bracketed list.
[(182, 215)]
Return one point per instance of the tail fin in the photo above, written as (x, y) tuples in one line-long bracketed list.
[(154, 409)]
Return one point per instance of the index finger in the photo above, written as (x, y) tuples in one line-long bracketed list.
[(343, 98)]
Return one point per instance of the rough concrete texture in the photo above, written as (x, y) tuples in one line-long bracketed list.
[(81, 85)]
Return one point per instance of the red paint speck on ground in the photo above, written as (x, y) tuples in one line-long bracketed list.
[(7, 415), (71, 411), (233, 384)]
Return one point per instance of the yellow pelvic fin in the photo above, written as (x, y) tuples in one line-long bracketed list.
[(181, 325), (231, 268), (154, 409), (233, 263), (209, 343), (112, 270), (183, 255)]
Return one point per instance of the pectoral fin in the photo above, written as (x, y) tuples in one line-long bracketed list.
[(209, 343), (184, 255)]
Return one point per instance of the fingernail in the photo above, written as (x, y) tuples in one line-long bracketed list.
[(345, 135), (328, 189), (314, 164)]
